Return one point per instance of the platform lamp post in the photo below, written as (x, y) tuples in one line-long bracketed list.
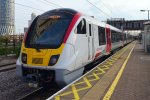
[(145, 11)]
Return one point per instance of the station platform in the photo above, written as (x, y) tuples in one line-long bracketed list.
[(123, 76)]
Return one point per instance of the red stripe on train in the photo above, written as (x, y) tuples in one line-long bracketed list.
[(25, 36), (97, 54), (108, 39), (73, 22)]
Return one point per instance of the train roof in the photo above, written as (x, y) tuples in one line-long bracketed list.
[(68, 10), (102, 24), (91, 19)]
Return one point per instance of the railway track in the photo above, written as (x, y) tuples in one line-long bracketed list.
[(32, 94), (7, 67), (7, 64), (41, 93)]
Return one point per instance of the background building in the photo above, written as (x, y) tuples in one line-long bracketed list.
[(33, 16), (7, 17), (127, 24)]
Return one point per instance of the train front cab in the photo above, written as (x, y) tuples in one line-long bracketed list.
[(46, 53), (44, 58)]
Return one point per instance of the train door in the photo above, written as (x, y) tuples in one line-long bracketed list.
[(81, 43), (90, 42), (108, 40)]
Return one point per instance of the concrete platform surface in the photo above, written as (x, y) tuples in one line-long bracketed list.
[(135, 81)]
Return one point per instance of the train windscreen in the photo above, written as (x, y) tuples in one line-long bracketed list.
[(48, 31)]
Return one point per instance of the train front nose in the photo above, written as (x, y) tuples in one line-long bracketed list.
[(38, 57), (44, 43), (41, 58)]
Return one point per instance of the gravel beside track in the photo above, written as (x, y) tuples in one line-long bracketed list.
[(11, 87)]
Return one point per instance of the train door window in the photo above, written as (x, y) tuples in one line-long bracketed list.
[(125, 36), (113, 36), (90, 30), (81, 28), (101, 35), (117, 37), (121, 37)]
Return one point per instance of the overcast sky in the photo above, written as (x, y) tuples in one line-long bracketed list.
[(128, 9)]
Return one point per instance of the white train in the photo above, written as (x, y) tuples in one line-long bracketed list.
[(60, 42)]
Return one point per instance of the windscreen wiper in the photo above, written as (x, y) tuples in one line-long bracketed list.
[(36, 46)]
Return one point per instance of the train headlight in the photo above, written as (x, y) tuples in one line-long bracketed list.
[(53, 60), (24, 58)]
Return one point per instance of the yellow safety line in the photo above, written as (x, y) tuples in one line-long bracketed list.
[(87, 82), (93, 74), (99, 73), (57, 98), (116, 56), (108, 62), (113, 58), (78, 83), (66, 93), (101, 69), (75, 92), (96, 77), (105, 67), (112, 61), (114, 84)]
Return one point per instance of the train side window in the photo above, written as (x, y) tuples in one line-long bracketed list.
[(125, 38), (116, 36), (117, 39), (121, 37), (113, 36), (90, 30), (101, 35), (81, 28)]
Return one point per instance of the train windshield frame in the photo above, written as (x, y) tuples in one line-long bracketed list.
[(47, 31)]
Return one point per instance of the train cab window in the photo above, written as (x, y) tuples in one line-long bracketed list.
[(101, 35), (48, 31), (81, 28)]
